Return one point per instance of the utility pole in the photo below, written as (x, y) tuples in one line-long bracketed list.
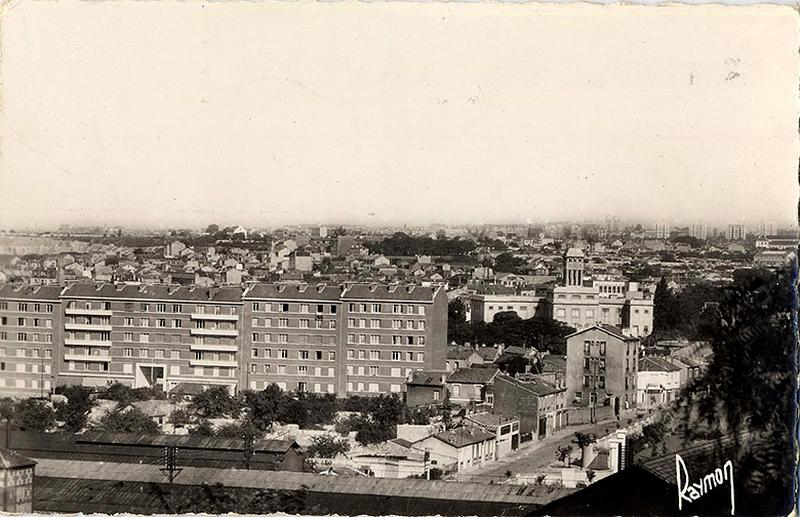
[(41, 384), (171, 469), (593, 412)]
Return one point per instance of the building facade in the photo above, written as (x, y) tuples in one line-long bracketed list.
[(344, 339), (602, 368), (584, 301)]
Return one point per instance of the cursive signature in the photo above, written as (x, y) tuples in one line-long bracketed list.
[(694, 491)]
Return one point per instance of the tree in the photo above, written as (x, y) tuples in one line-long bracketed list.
[(563, 454), (132, 420), (327, 446), (750, 385), (75, 411), (34, 415), (212, 229), (179, 417), (202, 428), (665, 314), (265, 406), (215, 402)]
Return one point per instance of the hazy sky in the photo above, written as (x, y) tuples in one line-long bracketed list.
[(262, 113)]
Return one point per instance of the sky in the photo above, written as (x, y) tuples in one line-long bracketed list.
[(265, 113)]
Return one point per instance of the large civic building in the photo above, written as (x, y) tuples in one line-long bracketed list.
[(339, 339), (584, 301)]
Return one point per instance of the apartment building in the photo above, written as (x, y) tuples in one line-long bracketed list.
[(340, 339), (150, 335), (602, 368), (30, 334), (293, 337), (388, 332)]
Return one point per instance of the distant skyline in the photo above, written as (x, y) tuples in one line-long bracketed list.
[(164, 115)]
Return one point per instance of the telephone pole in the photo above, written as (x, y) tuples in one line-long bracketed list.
[(171, 469)]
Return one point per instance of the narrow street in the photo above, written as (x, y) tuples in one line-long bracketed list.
[(533, 456)]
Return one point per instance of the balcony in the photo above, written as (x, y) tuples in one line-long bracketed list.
[(215, 317), (86, 342), (77, 311), (213, 362), (88, 358), (214, 348), (215, 332), (86, 326)]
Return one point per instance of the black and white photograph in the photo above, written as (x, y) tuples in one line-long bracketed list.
[(398, 258)]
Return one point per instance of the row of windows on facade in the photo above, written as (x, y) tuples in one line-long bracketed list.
[(23, 336), (23, 322), (508, 308), (302, 323), (26, 368), (23, 384), (24, 307), (301, 386), (34, 353), (376, 324), (155, 307), (305, 308), (589, 344)]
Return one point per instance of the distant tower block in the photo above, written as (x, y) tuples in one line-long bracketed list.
[(16, 482), (574, 263)]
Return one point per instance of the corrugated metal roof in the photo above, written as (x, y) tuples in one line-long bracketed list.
[(184, 441), (303, 481), (12, 460)]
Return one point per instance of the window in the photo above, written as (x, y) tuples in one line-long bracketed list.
[(602, 348), (303, 324), (254, 352), (351, 354), (587, 347), (159, 354), (397, 356), (283, 322), (304, 354), (143, 352), (320, 309), (144, 322), (421, 310), (256, 306), (253, 368), (20, 322), (420, 325), (421, 341), (284, 307), (174, 354), (395, 309), (376, 307), (283, 354), (283, 338), (374, 340), (4, 306), (161, 307), (281, 369), (162, 323), (128, 322), (374, 371), (177, 308), (561, 313), (23, 307), (22, 336), (351, 338), (254, 336), (333, 309), (374, 355), (144, 338), (304, 307), (362, 354), (420, 357), (177, 324), (375, 324), (128, 337), (331, 357), (302, 370)]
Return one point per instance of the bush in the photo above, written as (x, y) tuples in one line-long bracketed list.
[(75, 412), (34, 415), (131, 421), (327, 446), (215, 402)]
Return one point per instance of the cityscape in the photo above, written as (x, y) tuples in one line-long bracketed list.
[(398, 259), (531, 361)]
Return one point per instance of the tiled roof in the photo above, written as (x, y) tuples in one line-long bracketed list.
[(656, 364), (293, 292), (489, 419), (464, 436), (12, 460), (27, 292), (474, 375), (609, 329), (459, 353), (409, 293), (184, 441), (427, 378), (554, 363), (155, 292), (534, 386)]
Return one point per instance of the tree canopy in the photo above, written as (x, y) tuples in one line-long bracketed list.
[(401, 244)]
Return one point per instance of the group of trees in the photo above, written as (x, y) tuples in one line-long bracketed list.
[(541, 332), (685, 313), (750, 385), (401, 244), (375, 419)]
